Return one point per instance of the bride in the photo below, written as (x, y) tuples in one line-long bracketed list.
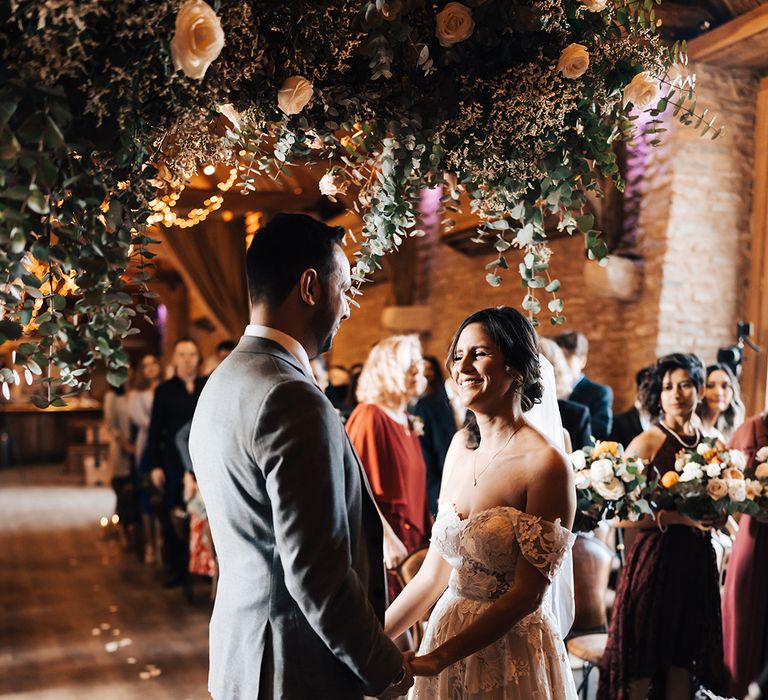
[(501, 534)]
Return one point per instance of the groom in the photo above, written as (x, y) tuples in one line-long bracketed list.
[(300, 597)]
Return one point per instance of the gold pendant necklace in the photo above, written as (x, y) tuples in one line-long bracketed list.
[(475, 475)]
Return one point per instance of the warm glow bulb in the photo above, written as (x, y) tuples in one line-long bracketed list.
[(104, 522), (209, 169), (115, 519)]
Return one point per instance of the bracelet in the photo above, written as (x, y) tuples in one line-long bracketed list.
[(659, 524)]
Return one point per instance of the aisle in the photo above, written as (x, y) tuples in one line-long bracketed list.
[(80, 619)]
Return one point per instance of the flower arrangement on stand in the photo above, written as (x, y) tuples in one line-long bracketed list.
[(108, 107), (608, 485), (708, 481)]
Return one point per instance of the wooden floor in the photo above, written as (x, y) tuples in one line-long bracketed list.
[(79, 618)]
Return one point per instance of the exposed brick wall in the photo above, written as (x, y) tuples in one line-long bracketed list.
[(693, 238)]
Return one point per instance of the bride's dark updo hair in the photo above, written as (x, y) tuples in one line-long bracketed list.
[(514, 335)]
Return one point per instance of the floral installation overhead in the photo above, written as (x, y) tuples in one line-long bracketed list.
[(108, 107)]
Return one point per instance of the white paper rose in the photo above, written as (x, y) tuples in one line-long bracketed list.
[(717, 489), (331, 184), (737, 490), (738, 459), (602, 470), (578, 459), (762, 471), (574, 61), (613, 490), (198, 39), (642, 91), (754, 489), (595, 5), (762, 454), (294, 95), (691, 471), (454, 24), (713, 470), (582, 479)]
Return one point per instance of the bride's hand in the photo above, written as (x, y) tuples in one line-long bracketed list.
[(426, 665)]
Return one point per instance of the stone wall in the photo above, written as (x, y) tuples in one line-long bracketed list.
[(692, 238)]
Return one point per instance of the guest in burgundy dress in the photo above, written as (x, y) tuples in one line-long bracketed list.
[(387, 440), (745, 598), (665, 636)]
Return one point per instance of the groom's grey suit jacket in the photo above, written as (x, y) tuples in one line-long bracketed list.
[(301, 592)]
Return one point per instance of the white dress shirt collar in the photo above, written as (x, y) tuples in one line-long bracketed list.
[(284, 340)]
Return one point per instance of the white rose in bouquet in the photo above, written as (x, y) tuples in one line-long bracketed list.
[(578, 459), (582, 479), (717, 489), (679, 464), (754, 489), (198, 39), (762, 454), (713, 469), (612, 490), (642, 91), (738, 459), (691, 472), (737, 490), (574, 61), (330, 184), (294, 95), (602, 470), (623, 473), (595, 5), (454, 24), (762, 471), (702, 448)]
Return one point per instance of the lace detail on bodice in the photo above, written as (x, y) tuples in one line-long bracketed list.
[(483, 549)]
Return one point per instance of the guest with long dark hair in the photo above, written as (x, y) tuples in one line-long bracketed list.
[(666, 634), (745, 599), (722, 410)]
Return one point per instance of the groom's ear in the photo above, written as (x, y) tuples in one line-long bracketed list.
[(310, 289)]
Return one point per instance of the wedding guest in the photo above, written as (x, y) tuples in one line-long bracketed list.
[(575, 416), (222, 350), (722, 410), (386, 439), (628, 425), (598, 398), (173, 406), (745, 603), (338, 388), (147, 378), (665, 635), (434, 409)]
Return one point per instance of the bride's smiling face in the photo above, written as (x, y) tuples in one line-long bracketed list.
[(479, 370)]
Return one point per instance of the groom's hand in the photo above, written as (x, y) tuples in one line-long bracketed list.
[(403, 684)]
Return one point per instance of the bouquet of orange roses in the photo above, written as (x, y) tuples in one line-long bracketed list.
[(608, 484), (708, 481)]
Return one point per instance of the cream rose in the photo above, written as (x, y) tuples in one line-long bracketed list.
[(294, 95), (198, 39), (702, 448), (454, 24), (762, 471), (737, 490), (330, 184), (713, 469), (578, 459), (691, 471), (717, 489), (762, 454), (595, 5), (642, 91), (738, 459), (582, 479), (754, 489), (574, 61), (613, 490), (602, 470)]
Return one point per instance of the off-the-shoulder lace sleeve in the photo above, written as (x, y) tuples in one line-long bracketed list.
[(542, 543)]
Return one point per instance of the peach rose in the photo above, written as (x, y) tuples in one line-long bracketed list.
[(717, 489), (594, 5), (762, 471), (642, 91), (198, 39), (454, 24), (294, 95), (574, 61)]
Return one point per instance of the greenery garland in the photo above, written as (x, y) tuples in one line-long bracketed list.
[(106, 106)]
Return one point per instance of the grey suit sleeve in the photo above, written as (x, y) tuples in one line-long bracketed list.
[(301, 447)]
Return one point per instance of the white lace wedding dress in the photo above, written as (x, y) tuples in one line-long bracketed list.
[(529, 662)]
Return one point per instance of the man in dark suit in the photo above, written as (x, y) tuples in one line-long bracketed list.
[(628, 425), (598, 398), (576, 421), (301, 591)]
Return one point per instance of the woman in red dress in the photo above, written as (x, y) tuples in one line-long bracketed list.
[(745, 598), (387, 439), (666, 635)]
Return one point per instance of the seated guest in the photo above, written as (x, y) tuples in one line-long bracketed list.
[(628, 425), (385, 437), (434, 409), (575, 417), (721, 411), (598, 398)]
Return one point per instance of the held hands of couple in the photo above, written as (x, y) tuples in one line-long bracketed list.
[(427, 665), (401, 684)]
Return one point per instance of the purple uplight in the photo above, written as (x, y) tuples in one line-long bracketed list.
[(429, 208), (162, 318)]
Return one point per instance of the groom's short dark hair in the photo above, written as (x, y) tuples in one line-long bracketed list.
[(282, 249)]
